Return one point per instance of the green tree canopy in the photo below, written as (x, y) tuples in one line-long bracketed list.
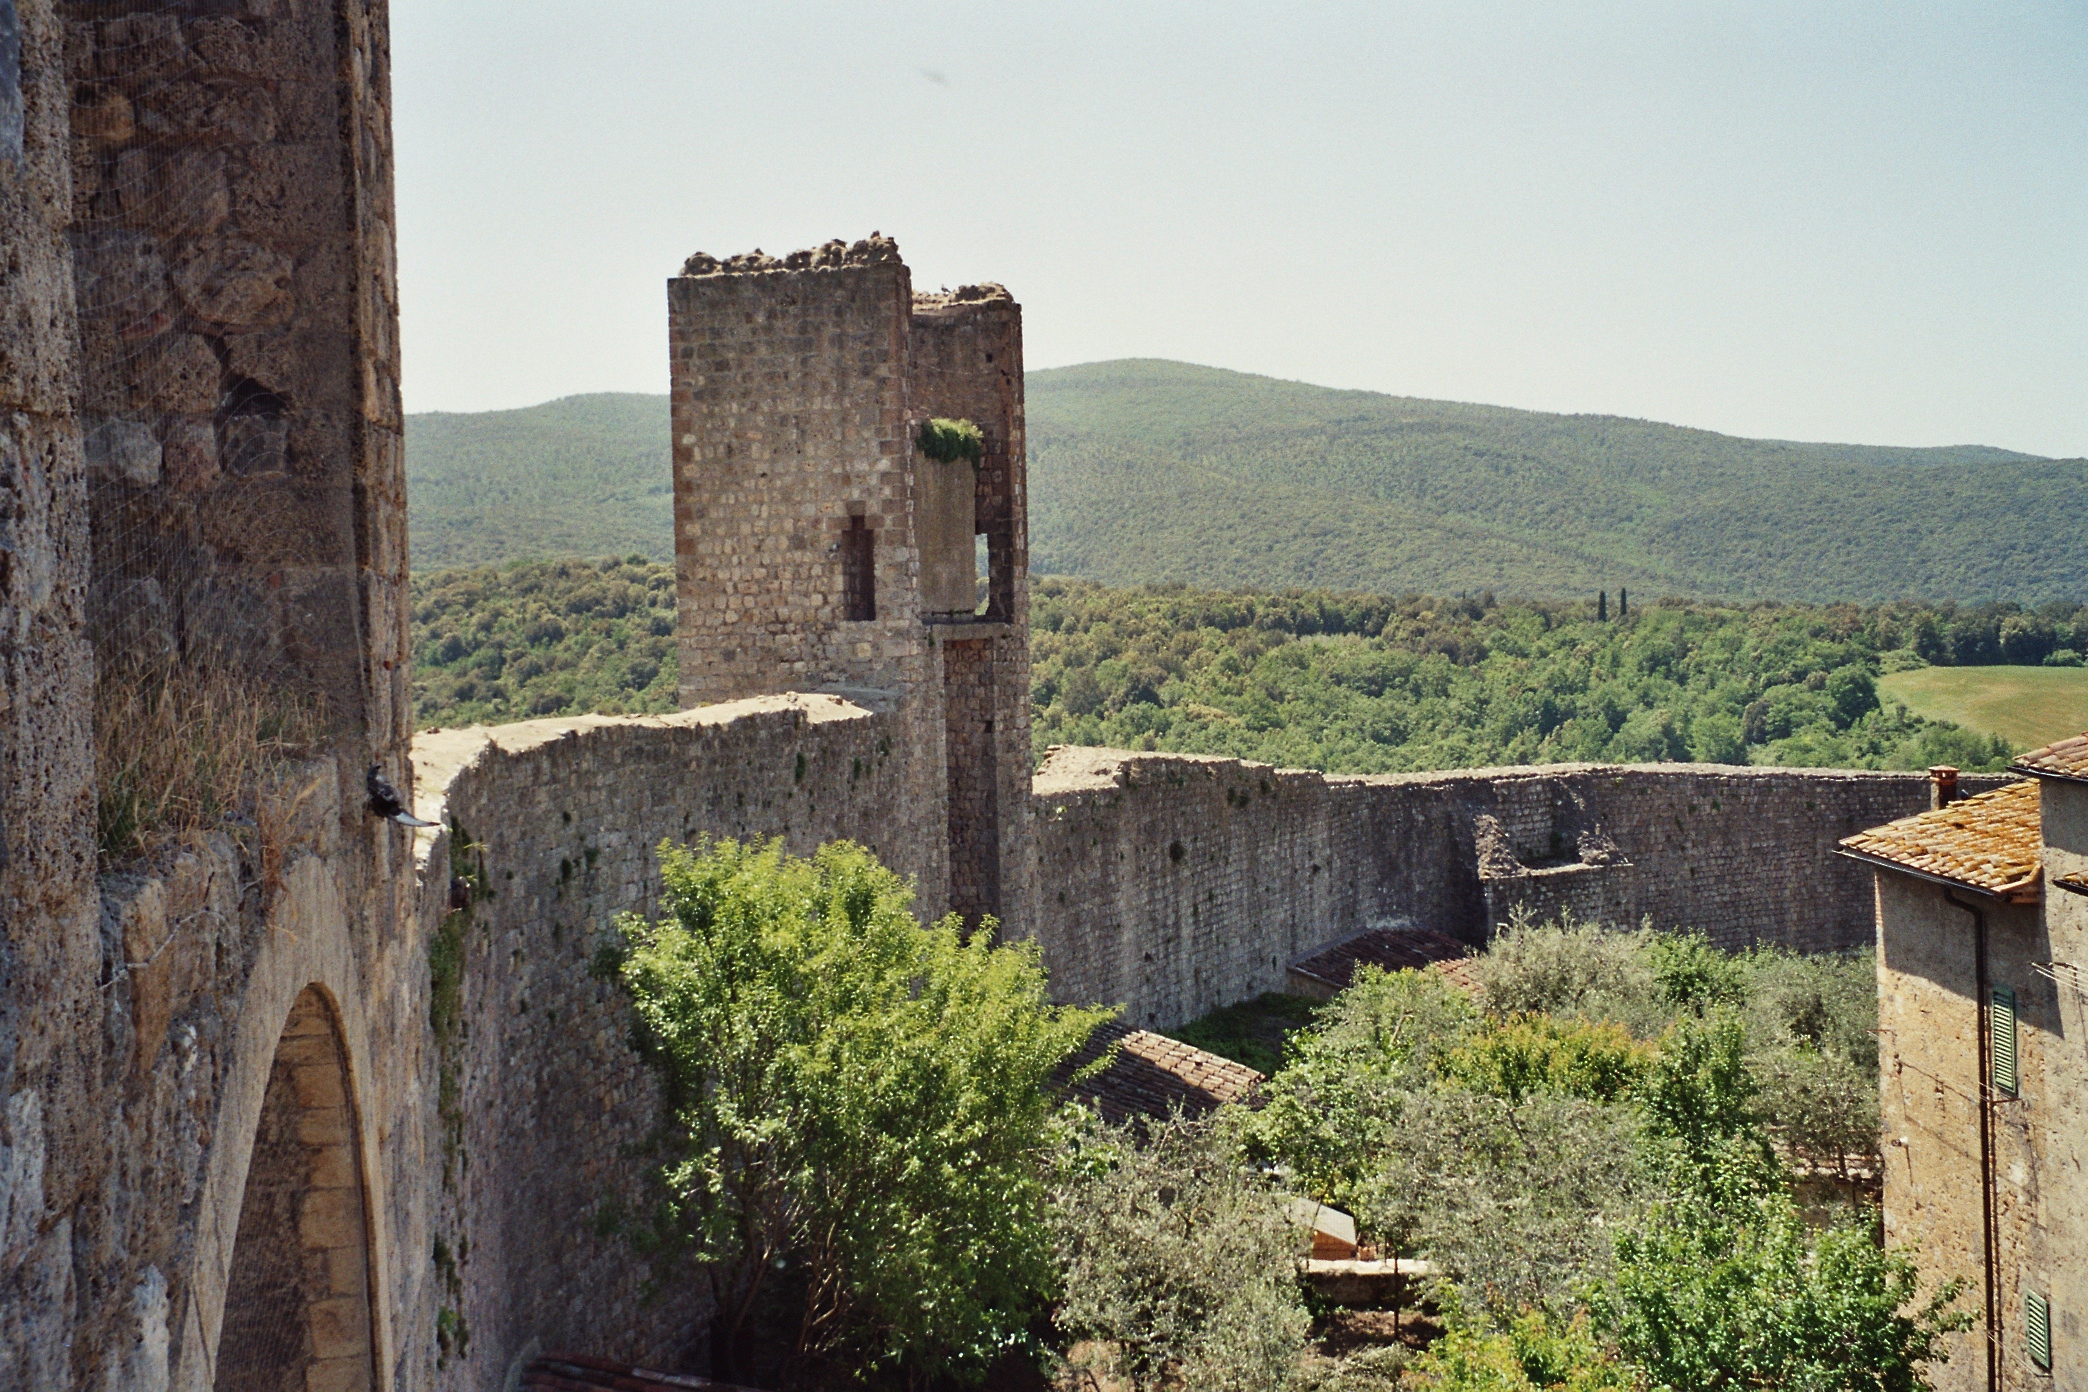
[(857, 1105)]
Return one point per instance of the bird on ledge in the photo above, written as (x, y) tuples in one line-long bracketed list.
[(386, 802)]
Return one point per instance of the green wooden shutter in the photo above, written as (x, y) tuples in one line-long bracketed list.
[(2004, 1031), (2037, 1321)]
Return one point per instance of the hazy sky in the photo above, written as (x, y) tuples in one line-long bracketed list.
[(1812, 221)]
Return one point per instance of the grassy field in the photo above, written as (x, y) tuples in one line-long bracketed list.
[(2029, 705)]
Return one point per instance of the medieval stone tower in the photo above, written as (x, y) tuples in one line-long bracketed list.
[(818, 548)]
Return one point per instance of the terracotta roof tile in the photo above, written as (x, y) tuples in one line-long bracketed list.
[(2067, 758), (1991, 842), (1152, 1075), (1389, 949)]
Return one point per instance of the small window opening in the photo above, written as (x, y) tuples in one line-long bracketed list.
[(859, 571)]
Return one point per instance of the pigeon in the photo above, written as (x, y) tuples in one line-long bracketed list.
[(386, 802)]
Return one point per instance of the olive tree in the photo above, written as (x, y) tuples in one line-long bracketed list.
[(1178, 1263)]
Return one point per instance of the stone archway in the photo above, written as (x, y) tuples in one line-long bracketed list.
[(297, 1297)]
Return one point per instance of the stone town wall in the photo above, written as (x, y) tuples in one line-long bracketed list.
[(1176, 884), (203, 954), (564, 817)]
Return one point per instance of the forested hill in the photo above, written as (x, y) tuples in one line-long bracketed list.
[(579, 476), (1149, 471)]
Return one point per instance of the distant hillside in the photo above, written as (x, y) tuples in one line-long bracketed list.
[(1144, 471), (1150, 472), (579, 476)]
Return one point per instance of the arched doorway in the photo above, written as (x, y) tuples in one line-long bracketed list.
[(297, 1301)]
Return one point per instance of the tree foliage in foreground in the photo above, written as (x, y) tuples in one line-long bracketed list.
[(857, 1109), (1588, 1147)]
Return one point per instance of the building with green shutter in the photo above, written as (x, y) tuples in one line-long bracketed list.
[(1982, 917)]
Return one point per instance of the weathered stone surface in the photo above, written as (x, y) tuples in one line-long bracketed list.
[(21, 1177), (234, 284), (176, 374), (215, 112), (124, 451), (121, 277), (176, 193), (257, 445), (189, 459)]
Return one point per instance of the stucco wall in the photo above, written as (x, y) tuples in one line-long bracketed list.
[(1931, 1062)]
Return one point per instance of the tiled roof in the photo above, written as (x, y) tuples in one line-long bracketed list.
[(1152, 1075), (1991, 842), (580, 1372), (2068, 758), (1389, 949), (2077, 883)]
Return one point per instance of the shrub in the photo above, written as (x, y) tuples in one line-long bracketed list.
[(951, 440), (1534, 1352), (854, 1099), (1574, 968), (1526, 1054), (1178, 1262), (1714, 1292)]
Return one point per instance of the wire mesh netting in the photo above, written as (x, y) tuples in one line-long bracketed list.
[(221, 603), (165, 280)]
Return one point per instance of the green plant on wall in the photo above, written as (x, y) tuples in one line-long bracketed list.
[(951, 440)]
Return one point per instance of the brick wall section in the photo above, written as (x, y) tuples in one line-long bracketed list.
[(569, 815), (1176, 884)]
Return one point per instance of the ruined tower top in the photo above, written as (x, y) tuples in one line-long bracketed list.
[(825, 540), (817, 544)]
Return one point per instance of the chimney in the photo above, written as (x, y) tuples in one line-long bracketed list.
[(1942, 786)]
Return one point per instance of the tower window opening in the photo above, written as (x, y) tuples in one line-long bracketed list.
[(859, 571)]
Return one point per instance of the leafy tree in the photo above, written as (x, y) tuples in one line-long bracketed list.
[(853, 1099), (1330, 1111), (1177, 1260), (1714, 1291), (1524, 1054), (1515, 1203)]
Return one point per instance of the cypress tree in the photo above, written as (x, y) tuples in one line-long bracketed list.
[(1623, 602), (1602, 606)]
